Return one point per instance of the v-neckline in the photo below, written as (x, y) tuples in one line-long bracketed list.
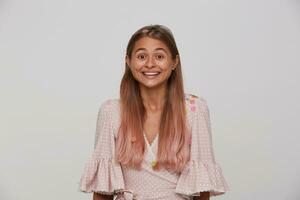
[(153, 141)]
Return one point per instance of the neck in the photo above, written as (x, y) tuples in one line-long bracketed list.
[(154, 98)]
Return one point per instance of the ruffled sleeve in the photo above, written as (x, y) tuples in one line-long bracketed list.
[(102, 174), (202, 173)]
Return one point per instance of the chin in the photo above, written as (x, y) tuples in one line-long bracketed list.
[(153, 85)]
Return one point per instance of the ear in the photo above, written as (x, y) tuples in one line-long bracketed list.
[(176, 61), (127, 60)]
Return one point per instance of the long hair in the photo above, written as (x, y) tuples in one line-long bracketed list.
[(174, 135)]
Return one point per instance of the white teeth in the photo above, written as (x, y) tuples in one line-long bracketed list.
[(150, 73)]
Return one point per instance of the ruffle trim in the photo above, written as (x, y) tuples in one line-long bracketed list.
[(200, 176), (102, 175)]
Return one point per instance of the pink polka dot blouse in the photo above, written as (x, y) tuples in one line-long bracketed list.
[(102, 174)]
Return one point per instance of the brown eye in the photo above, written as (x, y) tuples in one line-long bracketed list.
[(160, 57), (141, 56)]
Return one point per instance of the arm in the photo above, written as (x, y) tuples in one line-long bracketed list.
[(204, 196), (98, 196), (202, 174), (102, 175)]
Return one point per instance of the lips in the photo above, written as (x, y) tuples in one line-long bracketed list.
[(151, 74)]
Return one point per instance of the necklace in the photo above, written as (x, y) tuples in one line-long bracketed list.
[(153, 162)]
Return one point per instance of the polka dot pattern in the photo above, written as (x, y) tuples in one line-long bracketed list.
[(102, 174)]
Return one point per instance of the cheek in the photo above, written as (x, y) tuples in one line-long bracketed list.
[(136, 66), (166, 74), (167, 68), (165, 64), (136, 71)]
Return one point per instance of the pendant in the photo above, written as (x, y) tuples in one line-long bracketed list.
[(153, 163)]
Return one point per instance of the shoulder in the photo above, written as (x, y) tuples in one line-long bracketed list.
[(109, 110), (108, 107), (196, 103), (109, 104)]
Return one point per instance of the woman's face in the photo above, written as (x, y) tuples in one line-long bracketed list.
[(151, 62)]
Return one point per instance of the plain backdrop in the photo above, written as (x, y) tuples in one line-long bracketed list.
[(59, 60)]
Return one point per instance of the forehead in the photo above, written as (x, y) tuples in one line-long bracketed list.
[(149, 44)]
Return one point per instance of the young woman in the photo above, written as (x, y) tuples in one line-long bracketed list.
[(154, 142)]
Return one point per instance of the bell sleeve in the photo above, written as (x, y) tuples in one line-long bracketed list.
[(102, 174), (202, 172)]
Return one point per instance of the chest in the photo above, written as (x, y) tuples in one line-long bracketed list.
[(151, 126)]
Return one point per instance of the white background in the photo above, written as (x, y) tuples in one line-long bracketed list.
[(59, 60)]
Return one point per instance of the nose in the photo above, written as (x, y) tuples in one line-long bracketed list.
[(150, 62)]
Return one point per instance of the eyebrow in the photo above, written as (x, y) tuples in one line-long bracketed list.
[(154, 49)]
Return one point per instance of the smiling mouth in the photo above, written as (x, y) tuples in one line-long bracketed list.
[(150, 74)]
